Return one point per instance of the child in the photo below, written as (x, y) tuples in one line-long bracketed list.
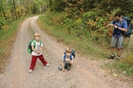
[(68, 59), (37, 52)]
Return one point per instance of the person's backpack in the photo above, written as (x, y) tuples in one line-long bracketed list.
[(73, 52), (129, 29), (30, 47)]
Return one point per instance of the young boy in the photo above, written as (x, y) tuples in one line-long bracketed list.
[(68, 59), (37, 52)]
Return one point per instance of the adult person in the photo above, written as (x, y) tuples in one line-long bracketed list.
[(120, 26)]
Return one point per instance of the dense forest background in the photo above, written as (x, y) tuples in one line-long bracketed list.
[(93, 13), (83, 20)]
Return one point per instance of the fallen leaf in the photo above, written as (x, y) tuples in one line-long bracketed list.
[(115, 74)]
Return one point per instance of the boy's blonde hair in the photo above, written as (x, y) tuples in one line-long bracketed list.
[(68, 50), (37, 35)]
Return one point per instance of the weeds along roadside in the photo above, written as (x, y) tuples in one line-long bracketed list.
[(7, 38), (86, 45), (89, 43)]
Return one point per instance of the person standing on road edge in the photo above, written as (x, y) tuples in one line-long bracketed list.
[(37, 52), (120, 26)]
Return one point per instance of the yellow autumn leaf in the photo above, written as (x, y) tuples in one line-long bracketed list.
[(115, 75)]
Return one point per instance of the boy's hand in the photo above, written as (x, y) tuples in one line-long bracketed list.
[(38, 52)]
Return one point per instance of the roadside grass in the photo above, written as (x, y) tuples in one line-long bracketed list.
[(121, 70), (85, 45), (125, 64), (92, 46), (7, 37)]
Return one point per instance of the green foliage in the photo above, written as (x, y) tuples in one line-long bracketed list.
[(125, 67), (7, 35), (58, 5), (120, 67), (68, 24), (2, 22), (14, 9), (81, 24), (60, 26), (88, 15)]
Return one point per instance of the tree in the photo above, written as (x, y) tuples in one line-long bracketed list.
[(14, 9)]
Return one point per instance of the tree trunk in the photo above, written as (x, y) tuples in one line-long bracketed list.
[(14, 9), (50, 5)]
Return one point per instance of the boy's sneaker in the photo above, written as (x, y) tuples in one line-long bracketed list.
[(118, 58), (112, 56), (30, 71), (48, 65)]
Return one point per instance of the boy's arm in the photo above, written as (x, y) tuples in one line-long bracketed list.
[(63, 66), (40, 49), (63, 59), (41, 46), (35, 49)]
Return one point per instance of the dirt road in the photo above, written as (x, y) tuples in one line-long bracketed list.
[(84, 74)]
